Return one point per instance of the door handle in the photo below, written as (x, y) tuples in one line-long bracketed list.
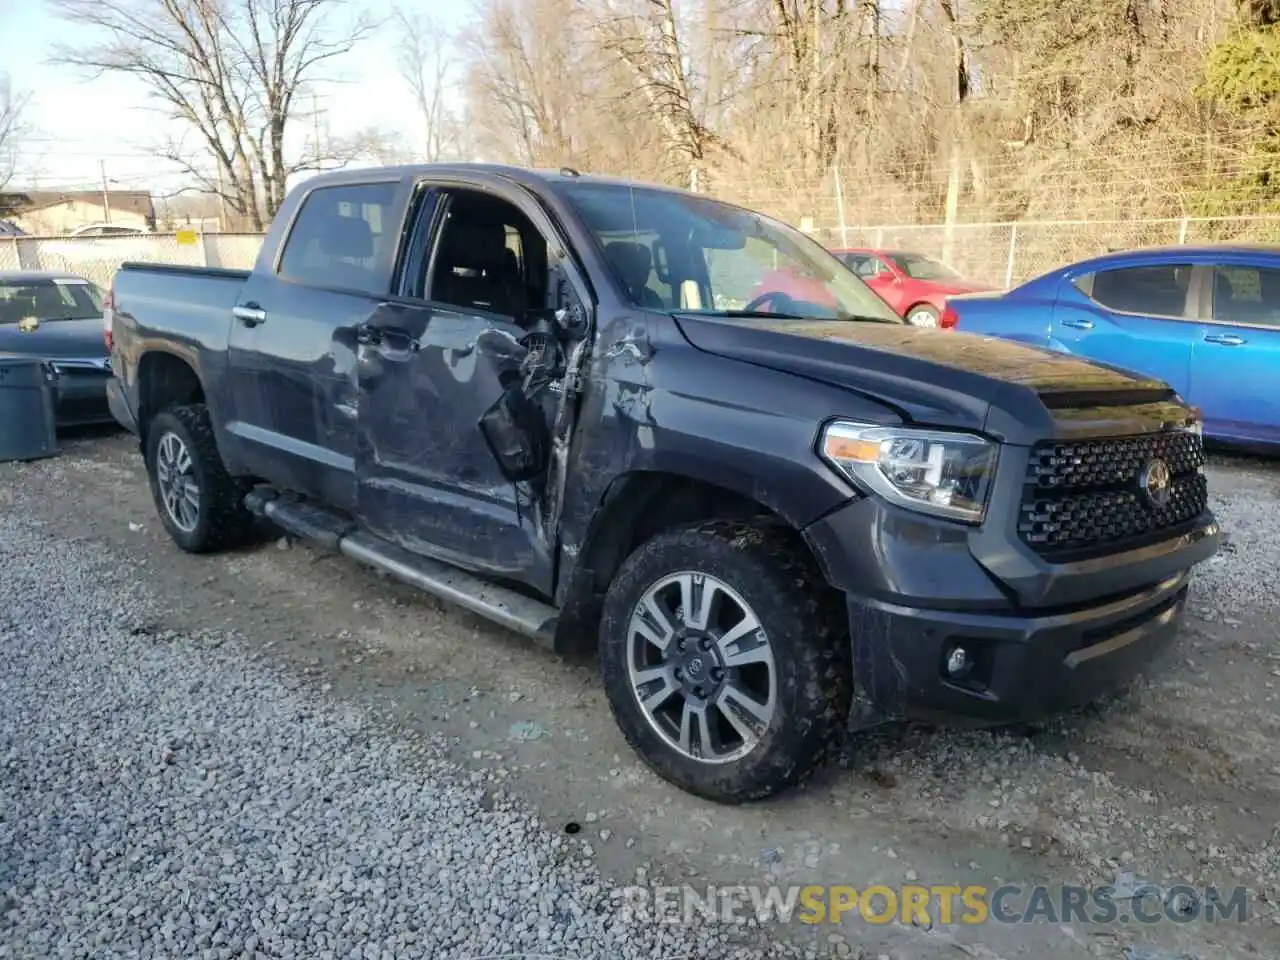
[(1078, 324), (394, 338), (250, 314), (1225, 339), (368, 334)]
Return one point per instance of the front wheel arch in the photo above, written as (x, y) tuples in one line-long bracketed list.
[(636, 507)]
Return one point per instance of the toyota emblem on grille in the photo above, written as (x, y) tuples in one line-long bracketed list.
[(1157, 482)]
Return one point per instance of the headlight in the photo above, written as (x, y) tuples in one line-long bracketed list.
[(933, 471)]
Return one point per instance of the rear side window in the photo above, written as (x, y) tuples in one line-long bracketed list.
[(1246, 295), (338, 236), (1159, 290)]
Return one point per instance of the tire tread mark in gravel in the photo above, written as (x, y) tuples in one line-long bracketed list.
[(775, 574), (224, 520)]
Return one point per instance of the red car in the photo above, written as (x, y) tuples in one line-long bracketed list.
[(914, 285)]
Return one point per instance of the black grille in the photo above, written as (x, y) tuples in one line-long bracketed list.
[(1088, 497), (1099, 464)]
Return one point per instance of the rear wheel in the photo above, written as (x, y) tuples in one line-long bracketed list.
[(923, 315), (200, 504), (723, 660)]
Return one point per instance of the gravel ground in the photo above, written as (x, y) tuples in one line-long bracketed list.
[(230, 705), (164, 796)]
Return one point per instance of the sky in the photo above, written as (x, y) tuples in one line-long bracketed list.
[(81, 124)]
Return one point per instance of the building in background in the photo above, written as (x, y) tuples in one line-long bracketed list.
[(52, 213)]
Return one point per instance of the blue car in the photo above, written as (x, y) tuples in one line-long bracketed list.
[(1206, 320)]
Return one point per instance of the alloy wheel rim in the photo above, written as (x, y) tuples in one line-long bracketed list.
[(175, 476), (701, 667), (922, 318)]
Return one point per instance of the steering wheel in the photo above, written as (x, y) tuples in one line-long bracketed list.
[(777, 297)]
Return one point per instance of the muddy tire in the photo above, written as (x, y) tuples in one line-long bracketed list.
[(724, 657), (200, 504)]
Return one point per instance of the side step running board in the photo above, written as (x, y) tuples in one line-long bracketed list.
[(330, 529)]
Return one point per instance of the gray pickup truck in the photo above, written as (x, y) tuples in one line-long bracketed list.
[(638, 421)]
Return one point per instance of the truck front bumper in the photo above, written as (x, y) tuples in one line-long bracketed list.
[(916, 592), (1016, 667)]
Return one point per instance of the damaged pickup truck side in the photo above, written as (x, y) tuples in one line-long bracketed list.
[(639, 421)]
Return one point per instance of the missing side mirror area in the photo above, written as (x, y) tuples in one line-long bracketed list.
[(517, 435)]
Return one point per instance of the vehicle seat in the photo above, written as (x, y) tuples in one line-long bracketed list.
[(14, 308), (347, 243), (46, 301), (634, 263), (473, 269), (1139, 292), (1223, 293), (1238, 306), (1269, 284)]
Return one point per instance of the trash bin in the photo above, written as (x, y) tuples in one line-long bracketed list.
[(28, 397)]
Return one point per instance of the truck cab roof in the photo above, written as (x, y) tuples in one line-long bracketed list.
[(529, 176)]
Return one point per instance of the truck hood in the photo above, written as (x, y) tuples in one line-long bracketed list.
[(1018, 393), (55, 339)]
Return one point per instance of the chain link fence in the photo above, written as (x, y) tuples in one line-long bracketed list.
[(98, 258), (1006, 254), (1002, 254)]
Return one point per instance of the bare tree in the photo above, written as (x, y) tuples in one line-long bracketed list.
[(522, 86), (539, 92), (423, 58), (231, 71), (12, 104), (928, 110), (648, 40), (378, 146)]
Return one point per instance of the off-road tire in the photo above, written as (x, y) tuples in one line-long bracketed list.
[(800, 615), (223, 520)]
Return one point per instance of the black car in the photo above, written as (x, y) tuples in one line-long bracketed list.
[(681, 434), (58, 318)]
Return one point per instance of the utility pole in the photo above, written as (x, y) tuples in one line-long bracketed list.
[(315, 122), (106, 198)]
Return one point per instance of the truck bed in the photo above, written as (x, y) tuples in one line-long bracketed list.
[(189, 303)]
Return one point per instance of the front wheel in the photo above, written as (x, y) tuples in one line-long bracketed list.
[(200, 504), (723, 660)]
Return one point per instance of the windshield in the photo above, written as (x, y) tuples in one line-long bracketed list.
[(675, 252), (46, 300), (924, 268)]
